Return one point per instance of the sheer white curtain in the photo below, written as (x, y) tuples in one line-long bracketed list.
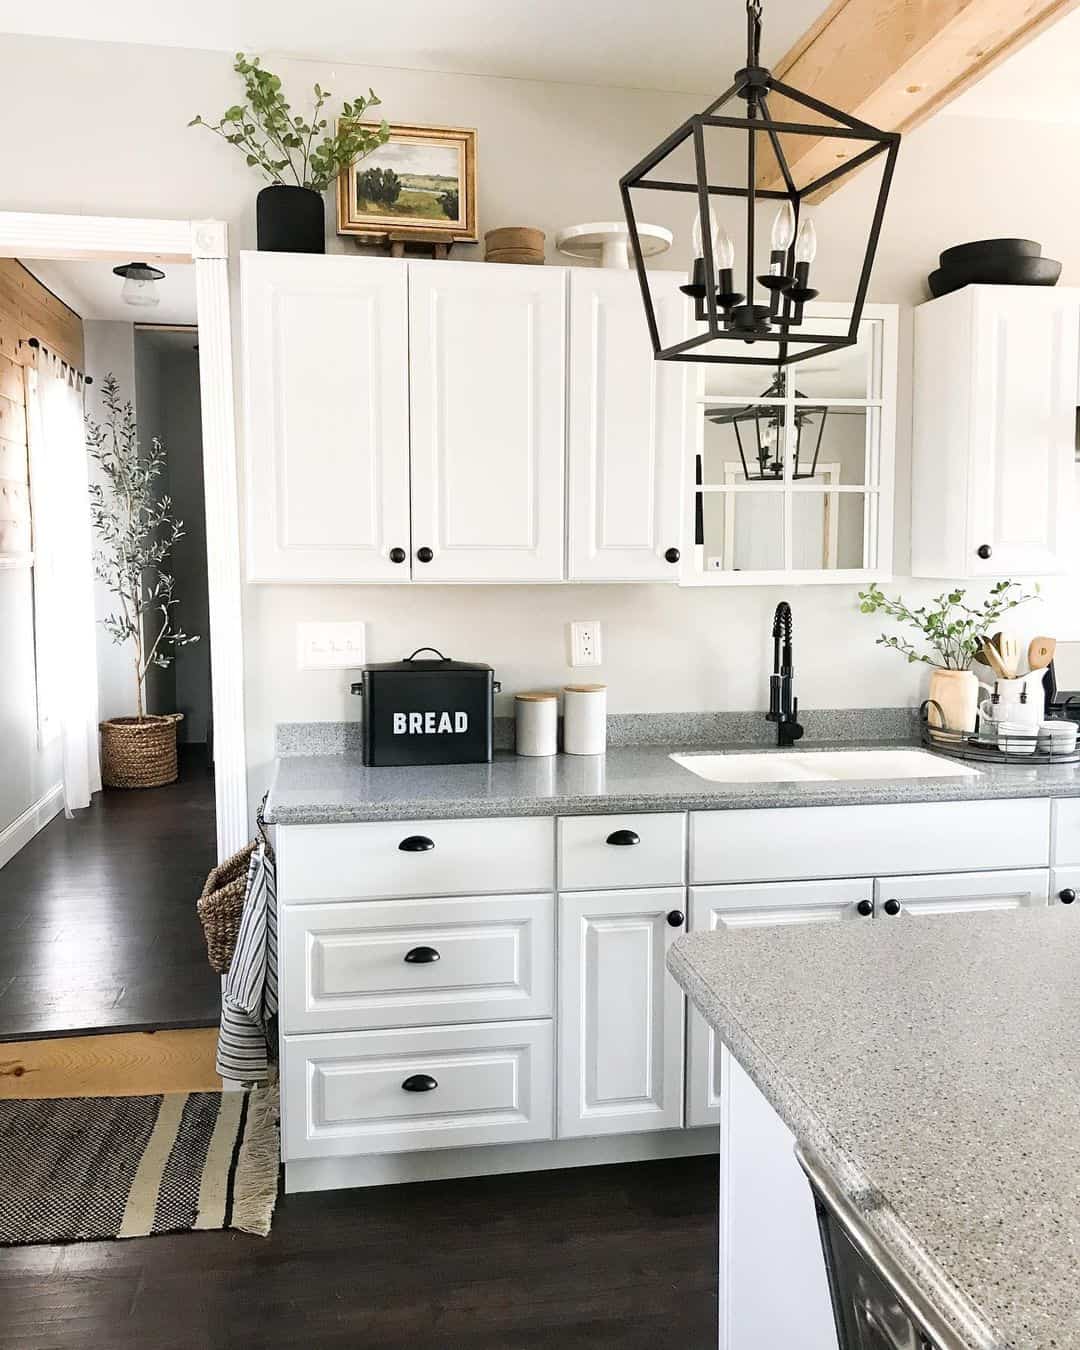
[(64, 615)]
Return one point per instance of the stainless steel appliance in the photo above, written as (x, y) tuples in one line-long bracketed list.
[(875, 1303)]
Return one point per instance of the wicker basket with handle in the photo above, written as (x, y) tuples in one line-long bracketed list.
[(221, 905), (139, 752)]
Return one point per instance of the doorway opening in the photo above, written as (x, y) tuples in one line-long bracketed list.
[(101, 903)]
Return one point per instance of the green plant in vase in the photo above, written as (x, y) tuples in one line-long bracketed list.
[(951, 630), (299, 156)]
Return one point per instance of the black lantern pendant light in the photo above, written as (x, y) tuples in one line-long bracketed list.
[(770, 310), (763, 423)]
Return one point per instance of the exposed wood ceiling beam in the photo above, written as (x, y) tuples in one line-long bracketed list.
[(893, 63)]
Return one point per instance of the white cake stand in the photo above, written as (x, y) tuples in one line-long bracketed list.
[(607, 241)]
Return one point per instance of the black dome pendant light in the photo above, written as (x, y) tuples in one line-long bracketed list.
[(769, 315)]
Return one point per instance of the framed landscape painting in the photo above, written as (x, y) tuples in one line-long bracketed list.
[(421, 181)]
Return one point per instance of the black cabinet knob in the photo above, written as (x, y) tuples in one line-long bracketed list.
[(865, 908), (984, 551), (676, 918), (416, 843), (422, 956), (420, 1082), (398, 555), (424, 554), (672, 555), (1067, 896), (891, 907), (623, 837)]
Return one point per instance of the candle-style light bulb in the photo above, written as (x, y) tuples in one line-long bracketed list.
[(806, 243), (783, 229), (723, 249), (698, 246)]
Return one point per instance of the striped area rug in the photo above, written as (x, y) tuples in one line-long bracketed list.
[(78, 1169)]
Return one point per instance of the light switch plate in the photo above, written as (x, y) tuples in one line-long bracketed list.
[(330, 646)]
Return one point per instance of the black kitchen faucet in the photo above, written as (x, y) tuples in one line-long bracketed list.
[(783, 705)]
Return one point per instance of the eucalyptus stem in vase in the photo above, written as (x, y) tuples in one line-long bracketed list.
[(952, 632)]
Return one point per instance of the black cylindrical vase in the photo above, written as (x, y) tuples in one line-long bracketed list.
[(290, 220)]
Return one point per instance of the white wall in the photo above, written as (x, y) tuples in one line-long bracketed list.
[(549, 155)]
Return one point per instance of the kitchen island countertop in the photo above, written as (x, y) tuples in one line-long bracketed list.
[(324, 789), (933, 1065)]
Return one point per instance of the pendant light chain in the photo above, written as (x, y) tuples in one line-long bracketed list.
[(753, 32)]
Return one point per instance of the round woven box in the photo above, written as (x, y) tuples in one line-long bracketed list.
[(139, 753), (514, 243)]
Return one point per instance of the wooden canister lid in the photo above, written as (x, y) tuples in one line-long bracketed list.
[(514, 237), (536, 696), (585, 688)]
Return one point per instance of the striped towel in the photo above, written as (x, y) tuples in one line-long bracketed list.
[(250, 992)]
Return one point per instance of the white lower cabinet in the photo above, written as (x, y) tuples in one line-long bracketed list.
[(773, 1289), (713, 907), (416, 1088), (960, 892), (620, 1014), (394, 963)]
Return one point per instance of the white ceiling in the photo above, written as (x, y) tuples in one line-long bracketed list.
[(1037, 84), (681, 45), (93, 292)]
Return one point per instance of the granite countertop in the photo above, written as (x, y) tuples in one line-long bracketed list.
[(320, 789), (934, 1065)]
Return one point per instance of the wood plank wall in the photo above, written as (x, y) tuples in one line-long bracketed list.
[(27, 310)]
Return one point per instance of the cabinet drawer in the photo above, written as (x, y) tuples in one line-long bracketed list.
[(616, 851), (793, 843), (401, 963), (419, 857), (1067, 832), (960, 893), (344, 1094)]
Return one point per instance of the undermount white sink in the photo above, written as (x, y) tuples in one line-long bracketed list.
[(820, 766)]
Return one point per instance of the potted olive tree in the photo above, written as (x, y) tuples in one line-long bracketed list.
[(953, 630), (136, 531), (299, 156)]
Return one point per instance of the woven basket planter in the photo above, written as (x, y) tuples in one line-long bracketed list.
[(139, 753)]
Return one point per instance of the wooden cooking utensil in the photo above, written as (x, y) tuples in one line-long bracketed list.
[(989, 654), (1009, 648), (1041, 652)]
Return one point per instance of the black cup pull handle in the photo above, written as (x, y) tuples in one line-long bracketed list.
[(420, 1082), (422, 956), (416, 843), (623, 838)]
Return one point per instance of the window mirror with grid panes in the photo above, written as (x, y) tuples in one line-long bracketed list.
[(791, 477)]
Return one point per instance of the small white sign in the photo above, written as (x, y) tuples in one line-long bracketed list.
[(330, 646)]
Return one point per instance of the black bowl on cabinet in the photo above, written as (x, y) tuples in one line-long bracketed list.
[(1002, 271), (964, 254)]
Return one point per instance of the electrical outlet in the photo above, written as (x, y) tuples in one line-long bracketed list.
[(585, 643), (329, 646)]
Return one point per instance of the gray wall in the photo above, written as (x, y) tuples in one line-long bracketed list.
[(167, 407)]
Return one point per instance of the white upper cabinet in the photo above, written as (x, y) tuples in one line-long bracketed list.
[(326, 400), (628, 425), (488, 414), (994, 432)]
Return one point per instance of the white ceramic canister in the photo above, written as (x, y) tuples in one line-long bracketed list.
[(536, 720), (585, 719)]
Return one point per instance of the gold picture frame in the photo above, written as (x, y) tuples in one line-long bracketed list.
[(430, 164)]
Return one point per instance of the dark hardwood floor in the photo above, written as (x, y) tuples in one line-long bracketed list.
[(596, 1257), (100, 930)]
